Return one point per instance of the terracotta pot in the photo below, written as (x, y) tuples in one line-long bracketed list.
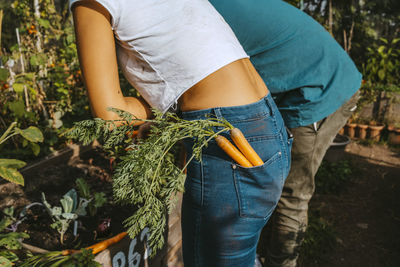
[(375, 132), (394, 135), (351, 129), (341, 131), (362, 131)]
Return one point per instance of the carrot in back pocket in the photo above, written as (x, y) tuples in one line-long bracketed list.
[(244, 147), (232, 151)]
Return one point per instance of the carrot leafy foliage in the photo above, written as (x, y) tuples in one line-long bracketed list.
[(147, 173)]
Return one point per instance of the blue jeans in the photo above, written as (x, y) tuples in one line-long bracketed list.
[(225, 206)]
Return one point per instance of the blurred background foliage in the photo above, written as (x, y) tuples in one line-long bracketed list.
[(40, 79)]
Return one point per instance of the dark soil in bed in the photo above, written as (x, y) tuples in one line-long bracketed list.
[(55, 177)]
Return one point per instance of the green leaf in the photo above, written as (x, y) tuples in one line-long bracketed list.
[(33, 60), (83, 188), (5, 222), (56, 211), (32, 134), (383, 40), (9, 211), (11, 240), (18, 87), (69, 216), (11, 256), (381, 74), (4, 262), (35, 148), (30, 76), (12, 163), (3, 74), (69, 201), (381, 49), (24, 142), (12, 175), (42, 58), (44, 23), (70, 38), (99, 199)]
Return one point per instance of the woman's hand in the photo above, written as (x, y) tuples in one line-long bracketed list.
[(97, 56)]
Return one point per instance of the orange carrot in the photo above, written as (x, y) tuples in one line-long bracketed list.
[(244, 147), (67, 252), (232, 151), (96, 248), (132, 134)]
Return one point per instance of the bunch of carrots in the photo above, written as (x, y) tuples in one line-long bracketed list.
[(245, 156)]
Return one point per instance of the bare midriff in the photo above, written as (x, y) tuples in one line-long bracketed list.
[(237, 83)]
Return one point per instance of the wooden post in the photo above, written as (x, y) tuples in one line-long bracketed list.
[(21, 58), (37, 17), (1, 20)]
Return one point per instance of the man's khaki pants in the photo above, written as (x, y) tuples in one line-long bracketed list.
[(289, 221)]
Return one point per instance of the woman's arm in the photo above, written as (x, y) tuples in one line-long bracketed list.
[(97, 56)]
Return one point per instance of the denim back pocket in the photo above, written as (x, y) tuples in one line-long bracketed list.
[(259, 188)]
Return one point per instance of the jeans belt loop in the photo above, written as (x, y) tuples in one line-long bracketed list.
[(269, 104), (217, 112)]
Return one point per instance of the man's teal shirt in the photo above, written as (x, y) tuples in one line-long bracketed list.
[(308, 73)]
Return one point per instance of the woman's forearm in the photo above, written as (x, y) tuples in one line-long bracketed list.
[(136, 106)]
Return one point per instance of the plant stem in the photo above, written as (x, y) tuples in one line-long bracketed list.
[(4, 137), (212, 136)]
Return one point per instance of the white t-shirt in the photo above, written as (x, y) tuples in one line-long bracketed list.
[(165, 47)]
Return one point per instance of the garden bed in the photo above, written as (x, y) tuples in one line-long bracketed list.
[(54, 176)]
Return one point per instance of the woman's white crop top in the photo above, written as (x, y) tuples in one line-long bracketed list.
[(164, 47)]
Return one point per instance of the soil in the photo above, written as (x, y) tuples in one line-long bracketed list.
[(365, 215), (55, 180)]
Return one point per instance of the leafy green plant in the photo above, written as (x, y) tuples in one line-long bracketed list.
[(383, 63), (9, 240), (319, 239), (8, 167), (147, 175), (40, 80), (331, 176), (96, 200), (85, 258), (69, 211)]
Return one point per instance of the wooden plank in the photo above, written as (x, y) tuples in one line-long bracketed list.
[(132, 251)]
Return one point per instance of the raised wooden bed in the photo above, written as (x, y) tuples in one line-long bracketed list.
[(132, 252), (128, 252)]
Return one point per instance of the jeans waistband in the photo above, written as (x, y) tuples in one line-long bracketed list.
[(264, 107)]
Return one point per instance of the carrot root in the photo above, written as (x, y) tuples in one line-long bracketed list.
[(98, 247), (244, 147), (232, 151), (67, 252)]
